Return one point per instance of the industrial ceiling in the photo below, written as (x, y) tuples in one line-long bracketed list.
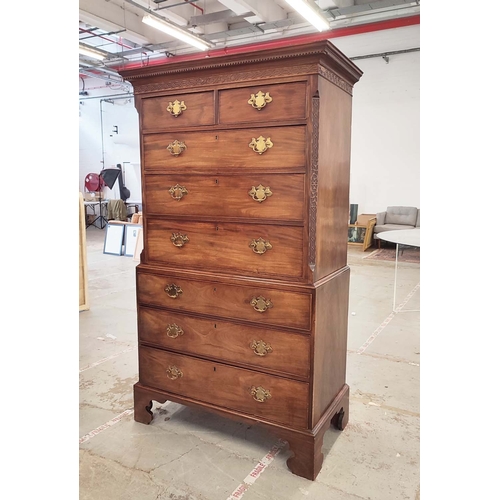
[(115, 28)]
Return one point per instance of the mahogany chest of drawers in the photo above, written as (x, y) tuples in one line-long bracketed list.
[(243, 284)]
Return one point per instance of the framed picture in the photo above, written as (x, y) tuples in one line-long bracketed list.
[(356, 234), (113, 240), (131, 235)]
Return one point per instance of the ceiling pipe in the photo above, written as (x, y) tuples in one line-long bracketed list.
[(107, 39), (283, 42)]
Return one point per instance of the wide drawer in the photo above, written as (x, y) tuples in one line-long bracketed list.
[(178, 110), (263, 103), (273, 149), (255, 346), (258, 304), (250, 196), (259, 249), (270, 397)]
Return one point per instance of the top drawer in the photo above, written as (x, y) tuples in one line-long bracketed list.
[(263, 103), (178, 110)]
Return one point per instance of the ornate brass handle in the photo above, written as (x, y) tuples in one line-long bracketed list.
[(259, 100), (260, 246), (176, 147), (178, 239), (173, 372), (261, 144), (260, 348), (177, 192), (176, 108), (260, 394), (261, 304), (174, 331), (173, 291), (260, 193)]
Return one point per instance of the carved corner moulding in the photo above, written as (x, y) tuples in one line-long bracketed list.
[(314, 181)]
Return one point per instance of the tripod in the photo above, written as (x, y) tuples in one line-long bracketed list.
[(90, 184)]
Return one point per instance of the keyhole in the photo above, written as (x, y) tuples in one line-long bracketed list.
[(216, 137), (215, 368), (215, 326), (216, 181), (215, 289)]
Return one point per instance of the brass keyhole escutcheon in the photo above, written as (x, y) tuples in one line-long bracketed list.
[(179, 239), (260, 193), (259, 100), (173, 291), (260, 246), (261, 144), (260, 348), (178, 192), (174, 331), (260, 394), (176, 108), (261, 304), (176, 147), (174, 373)]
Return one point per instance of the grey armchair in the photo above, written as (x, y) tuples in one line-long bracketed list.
[(395, 218)]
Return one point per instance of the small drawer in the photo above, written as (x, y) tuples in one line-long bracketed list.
[(270, 149), (258, 304), (244, 249), (253, 346), (177, 111), (270, 397), (263, 103), (264, 196)]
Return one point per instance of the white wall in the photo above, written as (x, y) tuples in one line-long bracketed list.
[(385, 155), (100, 146)]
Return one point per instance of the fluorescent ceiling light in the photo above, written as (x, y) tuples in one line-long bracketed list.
[(96, 54), (178, 33), (310, 14)]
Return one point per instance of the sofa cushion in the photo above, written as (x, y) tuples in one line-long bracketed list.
[(401, 215), (390, 227)]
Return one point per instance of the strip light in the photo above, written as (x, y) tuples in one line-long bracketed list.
[(178, 33), (310, 14), (95, 54)]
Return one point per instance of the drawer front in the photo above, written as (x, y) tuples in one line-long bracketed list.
[(251, 196), (267, 396), (260, 249), (176, 111), (263, 103), (255, 346), (267, 148), (261, 305)]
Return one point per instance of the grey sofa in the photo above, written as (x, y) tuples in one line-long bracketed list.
[(395, 218)]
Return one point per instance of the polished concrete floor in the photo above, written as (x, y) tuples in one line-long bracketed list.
[(188, 454)]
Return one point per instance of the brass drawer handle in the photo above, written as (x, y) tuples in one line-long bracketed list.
[(177, 192), (261, 304), (176, 147), (260, 193), (176, 108), (174, 331), (260, 348), (260, 394), (173, 291), (178, 239), (261, 144), (259, 100), (260, 246), (173, 372)]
